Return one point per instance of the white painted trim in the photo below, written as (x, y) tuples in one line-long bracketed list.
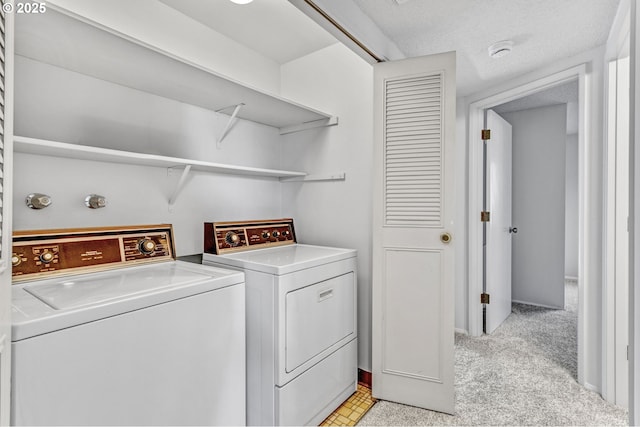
[(475, 120), (5, 387), (461, 331), (617, 35), (608, 272), (591, 387), (634, 210), (570, 279), (348, 15), (7, 223)]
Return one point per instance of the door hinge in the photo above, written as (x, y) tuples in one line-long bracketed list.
[(486, 134), (485, 216), (484, 298)]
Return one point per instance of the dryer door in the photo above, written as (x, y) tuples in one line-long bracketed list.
[(317, 317)]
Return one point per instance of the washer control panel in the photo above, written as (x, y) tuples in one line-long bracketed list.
[(49, 252), (226, 237)]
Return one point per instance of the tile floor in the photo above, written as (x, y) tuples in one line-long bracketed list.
[(352, 409)]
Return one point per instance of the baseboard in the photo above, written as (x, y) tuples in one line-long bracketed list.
[(364, 377), (538, 305), (591, 387), (461, 331)]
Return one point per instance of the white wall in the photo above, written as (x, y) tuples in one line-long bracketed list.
[(335, 213), (571, 208), (53, 103), (539, 149), (135, 195)]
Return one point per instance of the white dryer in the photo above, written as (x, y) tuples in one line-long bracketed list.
[(108, 329), (301, 319)]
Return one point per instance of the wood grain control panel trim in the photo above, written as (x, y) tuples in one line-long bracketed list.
[(228, 237), (43, 253)]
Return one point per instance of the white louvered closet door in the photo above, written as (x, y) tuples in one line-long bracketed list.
[(413, 288), (6, 149)]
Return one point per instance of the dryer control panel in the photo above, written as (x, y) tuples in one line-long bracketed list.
[(42, 253), (226, 237)]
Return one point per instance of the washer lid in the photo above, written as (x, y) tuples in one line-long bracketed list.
[(43, 306), (71, 292), (283, 259)]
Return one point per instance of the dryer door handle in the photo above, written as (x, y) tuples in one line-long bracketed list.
[(325, 294)]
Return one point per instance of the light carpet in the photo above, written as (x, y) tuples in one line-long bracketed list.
[(522, 374)]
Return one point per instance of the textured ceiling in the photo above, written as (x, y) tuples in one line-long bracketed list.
[(562, 94), (543, 31), (566, 93)]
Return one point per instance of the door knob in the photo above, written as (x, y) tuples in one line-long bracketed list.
[(513, 230), (445, 237)]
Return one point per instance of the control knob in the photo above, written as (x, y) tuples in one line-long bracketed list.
[(285, 233), (146, 246), (15, 260), (275, 233), (266, 234), (232, 238), (46, 257)]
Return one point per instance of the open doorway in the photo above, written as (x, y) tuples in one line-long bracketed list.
[(538, 137), (476, 269), (545, 193)]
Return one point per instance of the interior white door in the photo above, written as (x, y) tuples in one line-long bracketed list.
[(6, 156), (413, 268), (498, 173)]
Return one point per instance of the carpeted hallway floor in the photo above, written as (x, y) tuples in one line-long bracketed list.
[(522, 374)]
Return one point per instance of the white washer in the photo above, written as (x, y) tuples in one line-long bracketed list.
[(301, 320), (160, 343)]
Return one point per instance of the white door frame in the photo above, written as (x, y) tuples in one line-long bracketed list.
[(620, 34), (476, 111)]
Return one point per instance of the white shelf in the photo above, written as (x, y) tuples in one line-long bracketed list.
[(88, 48), (83, 152)]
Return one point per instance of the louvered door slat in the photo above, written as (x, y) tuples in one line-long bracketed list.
[(409, 114), (413, 97), (413, 151)]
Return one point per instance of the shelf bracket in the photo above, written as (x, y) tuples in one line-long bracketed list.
[(236, 110), (341, 176), (329, 121), (181, 181)]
